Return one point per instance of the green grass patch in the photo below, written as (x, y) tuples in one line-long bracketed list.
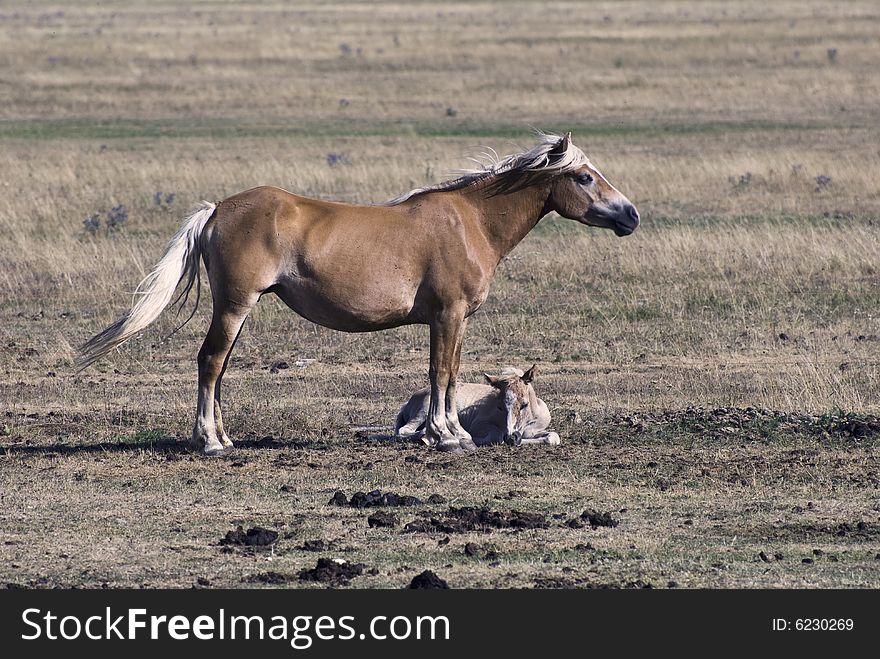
[(232, 128)]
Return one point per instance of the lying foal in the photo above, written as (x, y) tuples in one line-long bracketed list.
[(504, 411)]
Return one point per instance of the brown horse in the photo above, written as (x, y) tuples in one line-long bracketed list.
[(426, 257)]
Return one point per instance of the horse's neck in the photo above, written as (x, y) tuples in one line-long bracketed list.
[(507, 218)]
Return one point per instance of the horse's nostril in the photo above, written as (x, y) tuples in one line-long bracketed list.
[(632, 213)]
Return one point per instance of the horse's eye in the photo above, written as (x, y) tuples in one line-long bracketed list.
[(584, 179), (523, 406)]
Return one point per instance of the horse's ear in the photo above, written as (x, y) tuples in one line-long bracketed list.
[(561, 146), (529, 375), (491, 380)]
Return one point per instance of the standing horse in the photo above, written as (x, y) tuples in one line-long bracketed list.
[(425, 257)]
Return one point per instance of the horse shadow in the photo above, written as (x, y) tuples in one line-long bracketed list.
[(167, 445)]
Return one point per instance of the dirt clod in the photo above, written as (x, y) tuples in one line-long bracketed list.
[(427, 580), (254, 537), (596, 519), (383, 519), (373, 499), (332, 571), (272, 578), (462, 520), (338, 499), (316, 545)]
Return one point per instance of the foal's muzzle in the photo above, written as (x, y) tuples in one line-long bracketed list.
[(515, 438)]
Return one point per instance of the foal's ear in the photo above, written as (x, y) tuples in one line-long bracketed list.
[(529, 375), (492, 380)]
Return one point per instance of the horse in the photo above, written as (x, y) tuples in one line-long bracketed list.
[(425, 257), (505, 411)]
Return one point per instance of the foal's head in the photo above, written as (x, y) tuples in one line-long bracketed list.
[(516, 400), (581, 193)]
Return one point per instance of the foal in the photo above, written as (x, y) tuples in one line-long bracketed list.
[(426, 257), (506, 410)]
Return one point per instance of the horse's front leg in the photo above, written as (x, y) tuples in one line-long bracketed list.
[(452, 422), (446, 333)]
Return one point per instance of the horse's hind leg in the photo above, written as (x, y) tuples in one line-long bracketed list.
[(218, 415), (208, 434)]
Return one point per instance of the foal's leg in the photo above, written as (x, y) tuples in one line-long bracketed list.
[(536, 430), (542, 437), (446, 329), (225, 326), (414, 428)]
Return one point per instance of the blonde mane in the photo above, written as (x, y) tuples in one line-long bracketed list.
[(512, 172), (511, 373)]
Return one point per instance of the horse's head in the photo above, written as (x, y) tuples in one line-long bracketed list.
[(581, 193), (516, 398)]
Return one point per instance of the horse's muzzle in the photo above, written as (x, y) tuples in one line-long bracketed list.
[(627, 221)]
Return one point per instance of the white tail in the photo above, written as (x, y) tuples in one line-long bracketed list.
[(180, 261)]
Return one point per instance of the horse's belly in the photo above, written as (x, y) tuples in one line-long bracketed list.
[(364, 310)]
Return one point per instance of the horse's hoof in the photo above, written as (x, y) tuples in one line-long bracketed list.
[(467, 445), (450, 446)]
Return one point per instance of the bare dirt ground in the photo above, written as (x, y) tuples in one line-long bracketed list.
[(715, 377)]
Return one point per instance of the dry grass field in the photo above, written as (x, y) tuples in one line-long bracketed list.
[(715, 377)]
